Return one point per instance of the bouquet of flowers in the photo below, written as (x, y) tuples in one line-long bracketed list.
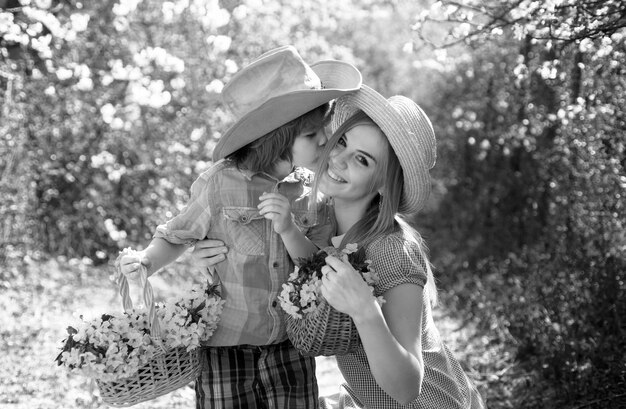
[(140, 354), (109, 347), (114, 346), (188, 321), (313, 326)]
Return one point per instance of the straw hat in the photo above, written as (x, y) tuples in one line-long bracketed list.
[(276, 88), (409, 132)]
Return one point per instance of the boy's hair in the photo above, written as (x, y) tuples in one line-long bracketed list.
[(262, 154)]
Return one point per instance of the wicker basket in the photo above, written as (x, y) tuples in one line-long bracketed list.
[(324, 331), (163, 374), (167, 371)]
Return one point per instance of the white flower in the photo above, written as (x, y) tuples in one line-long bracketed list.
[(64, 74), (294, 274), (350, 248), (240, 12), (115, 346), (215, 86), (125, 7), (84, 84), (79, 22), (221, 43), (301, 294)]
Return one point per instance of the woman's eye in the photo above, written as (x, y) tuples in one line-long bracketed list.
[(362, 160), (342, 141)]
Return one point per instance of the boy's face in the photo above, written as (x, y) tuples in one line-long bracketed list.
[(307, 148)]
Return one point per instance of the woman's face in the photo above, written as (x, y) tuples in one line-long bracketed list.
[(307, 148), (354, 163)]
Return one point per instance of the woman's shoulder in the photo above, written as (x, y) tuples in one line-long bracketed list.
[(398, 259), (392, 243)]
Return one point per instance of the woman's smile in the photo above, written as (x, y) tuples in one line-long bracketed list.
[(335, 177)]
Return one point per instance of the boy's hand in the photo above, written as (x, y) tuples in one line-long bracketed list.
[(129, 264), (276, 207)]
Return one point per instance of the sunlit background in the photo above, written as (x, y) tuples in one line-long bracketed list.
[(110, 109)]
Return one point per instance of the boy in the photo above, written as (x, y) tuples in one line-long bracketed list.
[(281, 105)]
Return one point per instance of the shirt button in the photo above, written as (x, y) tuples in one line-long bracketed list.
[(275, 264), (274, 303)]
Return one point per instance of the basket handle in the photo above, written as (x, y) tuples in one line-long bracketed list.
[(148, 297)]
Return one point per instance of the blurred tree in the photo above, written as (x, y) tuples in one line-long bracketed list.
[(123, 105), (532, 144)]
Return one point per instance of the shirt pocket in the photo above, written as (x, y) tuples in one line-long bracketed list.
[(246, 228), (304, 220)]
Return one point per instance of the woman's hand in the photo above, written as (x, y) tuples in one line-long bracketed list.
[(209, 252), (276, 207), (346, 291)]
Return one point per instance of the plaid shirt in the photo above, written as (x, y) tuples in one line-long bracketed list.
[(223, 206)]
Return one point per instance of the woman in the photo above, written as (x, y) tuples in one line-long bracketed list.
[(375, 171)]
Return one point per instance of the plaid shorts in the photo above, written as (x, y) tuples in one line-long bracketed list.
[(265, 377)]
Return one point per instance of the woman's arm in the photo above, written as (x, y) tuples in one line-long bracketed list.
[(393, 343), (391, 335), (208, 252)]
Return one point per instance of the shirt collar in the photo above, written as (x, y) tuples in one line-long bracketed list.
[(248, 174), (293, 177), (336, 241)]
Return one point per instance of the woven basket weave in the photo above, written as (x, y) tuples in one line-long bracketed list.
[(167, 371), (163, 374), (324, 331)]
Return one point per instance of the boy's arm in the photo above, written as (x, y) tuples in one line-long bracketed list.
[(160, 253), (174, 237), (184, 230), (157, 255), (297, 244), (276, 207)]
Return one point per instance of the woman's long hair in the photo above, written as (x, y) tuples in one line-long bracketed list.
[(381, 217)]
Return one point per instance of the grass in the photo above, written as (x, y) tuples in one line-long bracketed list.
[(39, 297)]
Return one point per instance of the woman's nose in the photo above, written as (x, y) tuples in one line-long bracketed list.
[(337, 159)]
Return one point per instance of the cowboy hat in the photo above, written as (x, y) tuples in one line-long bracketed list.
[(277, 88), (409, 133)]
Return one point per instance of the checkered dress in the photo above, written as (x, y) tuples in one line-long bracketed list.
[(445, 385)]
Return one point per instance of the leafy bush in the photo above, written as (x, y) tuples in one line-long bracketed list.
[(115, 105), (532, 163)]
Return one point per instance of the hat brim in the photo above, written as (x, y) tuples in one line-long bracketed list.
[(410, 143), (338, 79)]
